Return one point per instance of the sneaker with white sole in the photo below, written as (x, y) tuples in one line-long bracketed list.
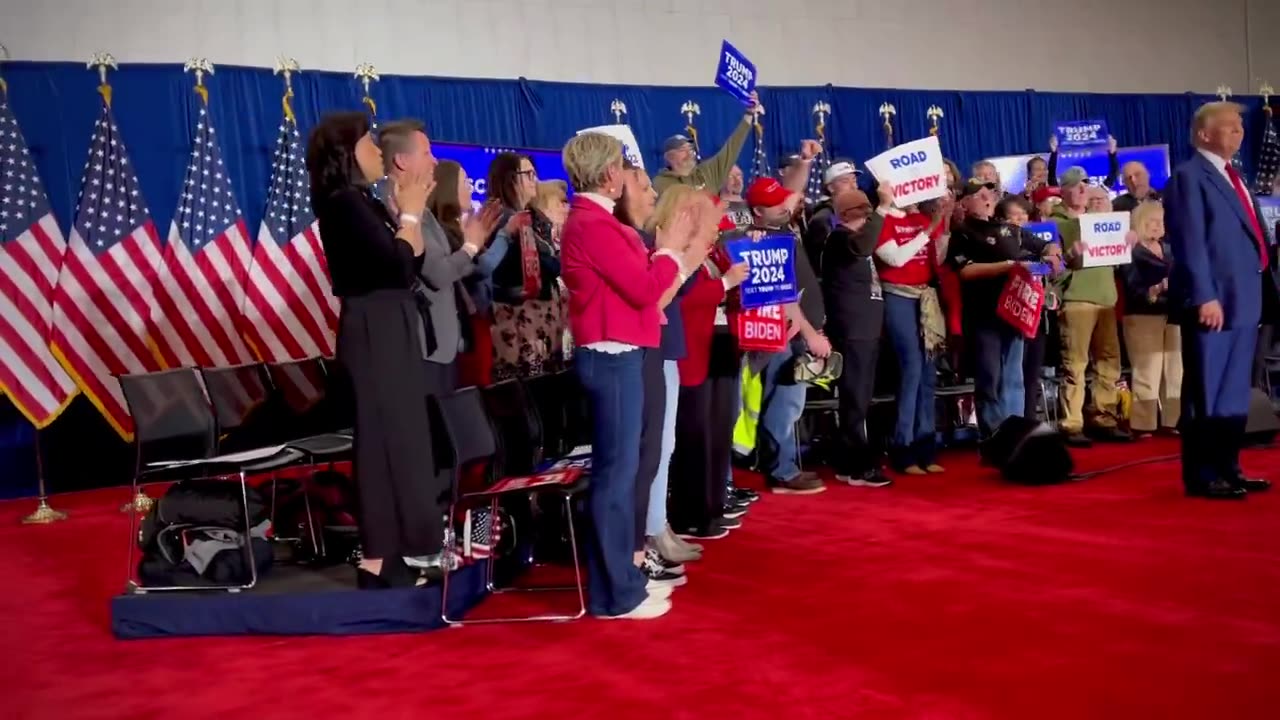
[(674, 568), (659, 590), (648, 609), (653, 569)]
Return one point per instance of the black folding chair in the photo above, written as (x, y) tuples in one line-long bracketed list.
[(520, 447), (175, 438), (251, 411), (240, 396), (470, 437), (546, 394), (304, 387)]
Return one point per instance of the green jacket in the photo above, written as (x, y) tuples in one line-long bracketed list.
[(1095, 285), (710, 174)]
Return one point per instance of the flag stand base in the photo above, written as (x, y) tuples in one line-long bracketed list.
[(44, 514), (141, 503)]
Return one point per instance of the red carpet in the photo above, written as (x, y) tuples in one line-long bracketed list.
[(944, 597)]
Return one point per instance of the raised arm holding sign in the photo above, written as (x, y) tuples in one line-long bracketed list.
[(913, 170), (735, 73)]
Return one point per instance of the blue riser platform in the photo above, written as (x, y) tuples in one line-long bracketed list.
[(295, 601)]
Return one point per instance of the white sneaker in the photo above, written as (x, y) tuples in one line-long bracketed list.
[(661, 591), (649, 609)]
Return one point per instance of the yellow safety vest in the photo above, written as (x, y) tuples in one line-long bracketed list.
[(744, 430)]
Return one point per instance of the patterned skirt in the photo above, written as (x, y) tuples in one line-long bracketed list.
[(528, 338)]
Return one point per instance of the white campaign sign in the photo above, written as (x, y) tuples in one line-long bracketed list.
[(914, 170), (630, 148), (1104, 237)]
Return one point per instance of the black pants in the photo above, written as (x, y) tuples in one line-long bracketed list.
[(704, 441), (1266, 336), (400, 494), (857, 384), (655, 410), (1032, 370)]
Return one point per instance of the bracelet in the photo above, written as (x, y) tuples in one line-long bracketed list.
[(409, 219), (471, 249)]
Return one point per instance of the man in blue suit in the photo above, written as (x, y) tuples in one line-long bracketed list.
[(1220, 273)]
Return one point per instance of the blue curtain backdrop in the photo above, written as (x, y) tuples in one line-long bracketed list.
[(56, 104)]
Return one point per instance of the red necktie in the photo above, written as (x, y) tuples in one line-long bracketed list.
[(1248, 210)]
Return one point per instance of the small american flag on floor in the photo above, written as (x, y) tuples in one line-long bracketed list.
[(31, 250), (482, 531), (206, 258)]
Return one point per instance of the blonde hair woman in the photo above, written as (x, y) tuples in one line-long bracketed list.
[(1154, 343), (659, 550), (614, 287)]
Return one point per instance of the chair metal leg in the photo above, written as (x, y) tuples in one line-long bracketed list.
[(560, 617), (134, 587)]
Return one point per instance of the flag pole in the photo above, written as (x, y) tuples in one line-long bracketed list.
[(44, 513), (103, 62)]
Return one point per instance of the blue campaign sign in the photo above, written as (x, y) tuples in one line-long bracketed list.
[(475, 160), (1047, 231), (736, 73), (1080, 133), (772, 280), (1013, 168)]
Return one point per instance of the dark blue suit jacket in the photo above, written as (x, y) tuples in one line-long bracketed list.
[(1214, 247)]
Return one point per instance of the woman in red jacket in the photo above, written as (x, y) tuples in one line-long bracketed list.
[(907, 264), (614, 288), (708, 401)]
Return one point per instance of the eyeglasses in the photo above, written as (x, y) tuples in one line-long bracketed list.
[(531, 172)]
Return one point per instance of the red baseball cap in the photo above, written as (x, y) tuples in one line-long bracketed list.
[(1043, 193), (766, 192)]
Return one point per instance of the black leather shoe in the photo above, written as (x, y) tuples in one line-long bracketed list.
[(1254, 484), (1218, 490), (1111, 434), (1077, 440)]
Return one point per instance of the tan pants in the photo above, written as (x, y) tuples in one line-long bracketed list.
[(1088, 331), (1155, 352)]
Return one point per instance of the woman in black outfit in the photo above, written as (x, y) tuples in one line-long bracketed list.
[(381, 346)]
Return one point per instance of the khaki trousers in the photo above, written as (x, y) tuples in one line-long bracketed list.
[(1088, 332), (1155, 353)]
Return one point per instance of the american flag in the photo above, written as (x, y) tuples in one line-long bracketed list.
[(290, 310), (206, 259), (1269, 158), (759, 159), (31, 249), (102, 308), (815, 190), (481, 533)]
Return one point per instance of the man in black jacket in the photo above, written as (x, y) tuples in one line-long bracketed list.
[(841, 175), (855, 307)]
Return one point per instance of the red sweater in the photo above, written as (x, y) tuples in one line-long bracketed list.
[(698, 308), (614, 285), (920, 269)]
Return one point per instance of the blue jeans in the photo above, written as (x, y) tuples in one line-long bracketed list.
[(913, 433), (997, 372), (656, 521), (783, 406), (615, 391)]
